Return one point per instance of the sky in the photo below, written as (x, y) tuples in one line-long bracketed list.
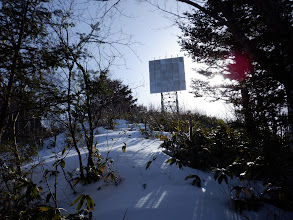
[(154, 36)]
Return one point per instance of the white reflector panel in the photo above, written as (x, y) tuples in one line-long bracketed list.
[(167, 75)]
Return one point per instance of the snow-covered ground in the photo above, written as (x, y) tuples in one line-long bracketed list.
[(159, 192)]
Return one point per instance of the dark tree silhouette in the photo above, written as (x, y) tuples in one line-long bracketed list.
[(262, 29)]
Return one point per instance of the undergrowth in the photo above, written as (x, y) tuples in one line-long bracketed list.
[(221, 147)]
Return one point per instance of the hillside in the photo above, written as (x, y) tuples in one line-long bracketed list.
[(159, 192)]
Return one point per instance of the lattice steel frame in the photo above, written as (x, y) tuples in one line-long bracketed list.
[(169, 102)]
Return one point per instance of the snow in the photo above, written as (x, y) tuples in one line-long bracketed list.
[(159, 192)]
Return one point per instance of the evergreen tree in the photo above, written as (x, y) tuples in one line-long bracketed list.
[(26, 57), (260, 31), (115, 101)]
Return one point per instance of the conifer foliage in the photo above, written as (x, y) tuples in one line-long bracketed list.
[(26, 59), (258, 31)]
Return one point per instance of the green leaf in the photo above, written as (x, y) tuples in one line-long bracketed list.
[(190, 176), (80, 203), (70, 174), (220, 179), (170, 160), (35, 191), (90, 202), (45, 208), (124, 147), (148, 164), (76, 200), (64, 150), (103, 168), (197, 182), (217, 173), (112, 177), (163, 137), (96, 172), (55, 163), (107, 177), (56, 216), (76, 180), (223, 177), (62, 163)]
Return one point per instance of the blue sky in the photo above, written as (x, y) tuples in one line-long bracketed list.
[(154, 36)]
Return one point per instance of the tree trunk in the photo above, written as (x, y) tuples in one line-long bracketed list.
[(72, 128), (290, 116), (89, 137), (5, 105), (289, 170), (248, 116), (8, 95), (15, 148), (78, 153), (90, 142)]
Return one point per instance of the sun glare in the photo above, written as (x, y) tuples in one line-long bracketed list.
[(216, 80)]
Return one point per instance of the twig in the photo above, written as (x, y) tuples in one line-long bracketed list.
[(48, 185), (125, 214)]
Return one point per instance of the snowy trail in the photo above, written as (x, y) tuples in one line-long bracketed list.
[(157, 193)]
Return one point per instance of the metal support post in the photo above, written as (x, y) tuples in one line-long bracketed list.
[(162, 103)]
